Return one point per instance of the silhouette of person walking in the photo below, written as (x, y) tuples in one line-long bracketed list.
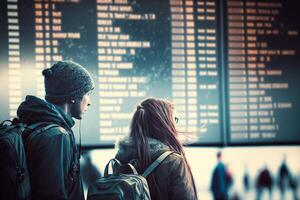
[(285, 180), (89, 171), (264, 181), (246, 180), (284, 176), (221, 180)]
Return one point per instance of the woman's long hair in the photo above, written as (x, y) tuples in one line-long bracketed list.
[(154, 119)]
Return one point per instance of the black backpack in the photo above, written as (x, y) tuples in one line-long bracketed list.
[(14, 176), (121, 186)]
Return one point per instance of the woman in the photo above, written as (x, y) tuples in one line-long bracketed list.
[(153, 132)]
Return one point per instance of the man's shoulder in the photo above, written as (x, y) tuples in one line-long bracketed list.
[(55, 131), (50, 132), (52, 138)]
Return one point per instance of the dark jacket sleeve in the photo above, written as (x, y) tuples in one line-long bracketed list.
[(54, 160), (181, 180)]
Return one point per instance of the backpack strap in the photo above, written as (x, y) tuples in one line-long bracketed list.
[(159, 160), (10, 128), (115, 164), (45, 127), (134, 171), (40, 127), (3, 123), (37, 128)]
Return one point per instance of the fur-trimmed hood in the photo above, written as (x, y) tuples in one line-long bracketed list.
[(127, 150)]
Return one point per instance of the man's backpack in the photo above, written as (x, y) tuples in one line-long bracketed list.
[(120, 186), (14, 176)]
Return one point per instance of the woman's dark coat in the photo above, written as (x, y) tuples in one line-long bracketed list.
[(172, 177)]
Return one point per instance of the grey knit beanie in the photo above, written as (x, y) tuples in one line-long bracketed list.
[(66, 80)]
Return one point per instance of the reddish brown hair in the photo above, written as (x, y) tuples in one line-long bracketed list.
[(154, 118)]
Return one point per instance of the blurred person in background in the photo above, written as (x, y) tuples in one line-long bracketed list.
[(294, 187), (221, 180), (89, 171), (264, 182), (283, 178), (246, 180), (287, 180)]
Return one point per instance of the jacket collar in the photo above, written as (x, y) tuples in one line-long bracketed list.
[(66, 118), (34, 110), (126, 146)]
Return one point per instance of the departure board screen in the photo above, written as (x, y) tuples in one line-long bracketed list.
[(229, 67), (134, 49), (263, 71)]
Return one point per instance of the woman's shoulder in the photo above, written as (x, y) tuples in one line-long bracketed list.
[(174, 160), (127, 148)]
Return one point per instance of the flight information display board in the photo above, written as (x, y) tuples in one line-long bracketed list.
[(230, 67), (263, 48)]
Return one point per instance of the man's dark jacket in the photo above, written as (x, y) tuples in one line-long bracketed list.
[(52, 155)]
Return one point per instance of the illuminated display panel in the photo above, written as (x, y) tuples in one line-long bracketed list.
[(230, 67), (263, 71), (133, 50), (155, 48)]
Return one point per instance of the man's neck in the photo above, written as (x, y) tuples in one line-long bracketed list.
[(65, 107)]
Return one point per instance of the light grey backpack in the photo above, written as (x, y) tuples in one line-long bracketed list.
[(120, 186)]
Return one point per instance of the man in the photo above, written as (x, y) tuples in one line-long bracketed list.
[(221, 180), (284, 175), (52, 155)]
